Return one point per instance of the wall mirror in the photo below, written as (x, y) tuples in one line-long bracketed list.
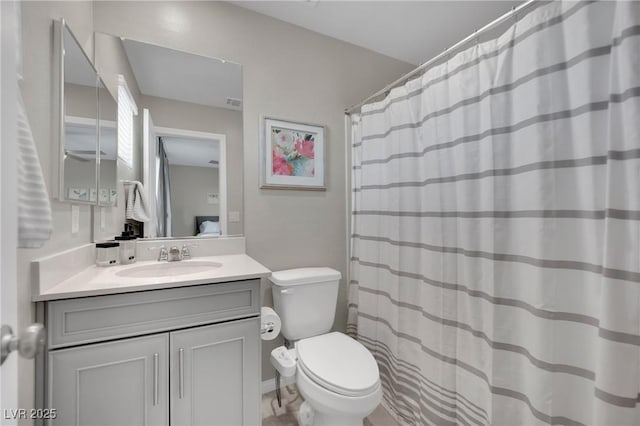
[(190, 144), (78, 127)]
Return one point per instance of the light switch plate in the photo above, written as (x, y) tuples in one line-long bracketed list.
[(213, 198), (234, 216), (75, 219)]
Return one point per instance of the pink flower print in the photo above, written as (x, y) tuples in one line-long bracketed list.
[(284, 140), (279, 163), (304, 148)]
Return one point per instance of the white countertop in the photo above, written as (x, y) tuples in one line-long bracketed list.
[(97, 281)]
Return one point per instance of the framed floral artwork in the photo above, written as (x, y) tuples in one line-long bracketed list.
[(293, 155)]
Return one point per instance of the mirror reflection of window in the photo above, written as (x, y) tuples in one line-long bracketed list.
[(127, 109)]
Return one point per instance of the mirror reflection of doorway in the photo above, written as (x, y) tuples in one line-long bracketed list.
[(187, 190)]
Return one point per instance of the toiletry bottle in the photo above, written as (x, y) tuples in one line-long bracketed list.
[(127, 245), (107, 253)]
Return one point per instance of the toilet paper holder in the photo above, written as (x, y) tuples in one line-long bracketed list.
[(267, 327), (269, 323)]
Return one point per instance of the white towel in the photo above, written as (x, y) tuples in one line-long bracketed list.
[(137, 205), (34, 208)]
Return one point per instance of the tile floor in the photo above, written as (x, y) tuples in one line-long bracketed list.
[(272, 415)]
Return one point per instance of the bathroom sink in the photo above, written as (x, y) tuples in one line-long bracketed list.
[(168, 269)]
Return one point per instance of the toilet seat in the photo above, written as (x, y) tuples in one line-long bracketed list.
[(338, 363)]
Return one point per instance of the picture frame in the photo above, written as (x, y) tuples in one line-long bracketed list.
[(292, 155)]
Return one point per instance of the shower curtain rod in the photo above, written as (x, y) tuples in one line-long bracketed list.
[(509, 15)]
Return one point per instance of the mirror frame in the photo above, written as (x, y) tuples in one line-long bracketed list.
[(59, 54)]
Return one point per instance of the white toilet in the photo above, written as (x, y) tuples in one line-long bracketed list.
[(337, 376)]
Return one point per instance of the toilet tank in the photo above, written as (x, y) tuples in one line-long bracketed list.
[(305, 299)]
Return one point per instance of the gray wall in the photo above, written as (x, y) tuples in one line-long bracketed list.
[(189, 189), (189, 116), (308, 226), (80, 101)]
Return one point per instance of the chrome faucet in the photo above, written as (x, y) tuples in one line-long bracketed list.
[(174, 254), (164, 255)]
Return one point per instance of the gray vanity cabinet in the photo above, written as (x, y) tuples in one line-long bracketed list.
[(181, 356), (117, 383), (212, 371)]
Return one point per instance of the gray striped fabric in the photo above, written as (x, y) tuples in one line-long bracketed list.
[(495, 247)]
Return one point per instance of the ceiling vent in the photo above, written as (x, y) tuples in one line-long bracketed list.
[(234, 102)]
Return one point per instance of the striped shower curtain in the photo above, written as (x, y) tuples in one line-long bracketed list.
[(495, 269)]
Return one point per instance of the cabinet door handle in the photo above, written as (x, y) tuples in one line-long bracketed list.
[(181, 373), (155, 379)]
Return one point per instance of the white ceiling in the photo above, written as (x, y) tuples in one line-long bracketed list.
[(411, 31), (191, 152), (172, 74)]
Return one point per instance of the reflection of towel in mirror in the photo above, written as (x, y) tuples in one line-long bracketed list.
[(34, 209), (137, 205)]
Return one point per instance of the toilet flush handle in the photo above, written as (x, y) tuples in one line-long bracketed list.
[(287, 291)]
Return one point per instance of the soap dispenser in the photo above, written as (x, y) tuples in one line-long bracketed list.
[(127, 245)]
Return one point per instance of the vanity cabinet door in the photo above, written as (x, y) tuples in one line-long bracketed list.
[(119, 383), (215, 374)]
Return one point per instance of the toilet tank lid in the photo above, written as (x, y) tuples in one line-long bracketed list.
[(299, 276)]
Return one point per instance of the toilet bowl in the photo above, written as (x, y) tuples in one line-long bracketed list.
[(337, 376)]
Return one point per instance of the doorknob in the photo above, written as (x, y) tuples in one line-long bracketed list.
[(30, 342)]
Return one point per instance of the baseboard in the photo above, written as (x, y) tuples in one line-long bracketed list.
[(270, 385)]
